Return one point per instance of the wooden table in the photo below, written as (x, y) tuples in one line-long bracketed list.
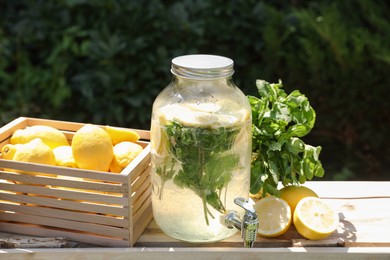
[(363, 233)]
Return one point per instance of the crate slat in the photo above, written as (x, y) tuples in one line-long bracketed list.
[(63, 171), (65, 204), (94, 207), (7, 130), (66, 224), (84, 237), (68, 183), (140, 179), (141, 198), (63, 194), (74, 126), (66, 214)]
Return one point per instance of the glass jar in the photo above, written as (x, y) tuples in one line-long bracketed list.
[(201, 149)]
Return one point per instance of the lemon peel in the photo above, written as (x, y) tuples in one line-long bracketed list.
[(119, 134), (35, 151), (124, 153), (294, 193), (92, 148), (64, 156), (49, 135)]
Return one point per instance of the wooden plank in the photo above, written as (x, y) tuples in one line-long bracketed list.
[(141, 179), (362, 223), (70, 183), (350, 189), (140, 223), (69, 215), (65, 224), (63, 194), (67, 205), (141, 196), (7, 130), (362, 230), (138, 165), (33, 242), (206, 253), (57, 170), (87, 238)]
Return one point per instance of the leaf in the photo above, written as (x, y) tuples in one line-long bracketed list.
[(219, 172), (204, 166), (267, 90), (276, 129)]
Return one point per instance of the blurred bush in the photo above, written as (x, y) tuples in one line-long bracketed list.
[(105, 62)]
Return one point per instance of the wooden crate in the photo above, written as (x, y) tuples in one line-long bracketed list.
[(93, 207)]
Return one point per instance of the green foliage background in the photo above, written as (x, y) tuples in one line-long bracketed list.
[(105, 62)]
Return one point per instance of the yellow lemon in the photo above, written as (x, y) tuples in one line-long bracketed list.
[(119, 134), (314, 219), (92, 148), (294, 193), (8, 151), (35, 151), (64, 156), (124, 153), (274, 216), (49, 135)]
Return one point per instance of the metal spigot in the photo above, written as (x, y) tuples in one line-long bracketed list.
[(249, 223)]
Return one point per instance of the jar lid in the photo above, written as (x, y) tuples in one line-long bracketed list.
[(202, 66)]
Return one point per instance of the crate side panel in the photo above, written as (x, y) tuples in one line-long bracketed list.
[(35, 230), (41, 169), (7, 130), (141, 223), (59, 193), (78, 184), (65, 214), (65, 224), (63, 204)]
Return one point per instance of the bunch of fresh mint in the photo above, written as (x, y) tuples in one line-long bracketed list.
[(279, 155)]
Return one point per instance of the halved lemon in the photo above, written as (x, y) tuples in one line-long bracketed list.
[(274, 216), (314, 218)]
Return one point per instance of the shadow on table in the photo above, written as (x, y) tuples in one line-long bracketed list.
[(346, 230)]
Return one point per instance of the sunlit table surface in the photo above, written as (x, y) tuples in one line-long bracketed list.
[(363, 233)]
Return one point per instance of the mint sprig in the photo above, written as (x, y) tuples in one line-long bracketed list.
[(201, 162), (278, 154)]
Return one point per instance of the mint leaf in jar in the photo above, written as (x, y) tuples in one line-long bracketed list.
[(204, 161)]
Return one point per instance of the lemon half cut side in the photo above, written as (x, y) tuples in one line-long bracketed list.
[(274, 216), (314, 218)]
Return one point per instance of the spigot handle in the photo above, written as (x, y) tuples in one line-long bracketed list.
[(243, 203), (249, 223)]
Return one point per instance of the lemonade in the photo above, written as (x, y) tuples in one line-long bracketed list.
[(200, 164)]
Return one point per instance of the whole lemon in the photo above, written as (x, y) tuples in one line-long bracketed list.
[(124, 153), (49, 135), (35, 151), (294, 193), (92, 148), (119, 134), (64, 156), (8, 151)]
